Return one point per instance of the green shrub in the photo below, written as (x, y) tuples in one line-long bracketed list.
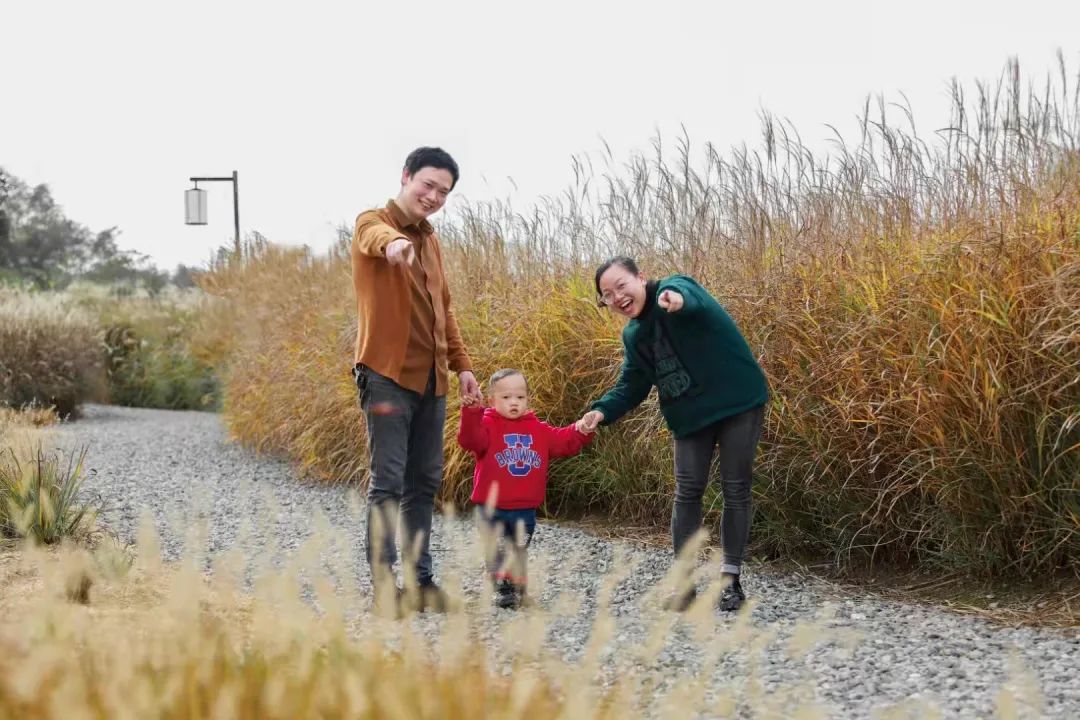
[(39, 494), (150, 343), (156, 372)]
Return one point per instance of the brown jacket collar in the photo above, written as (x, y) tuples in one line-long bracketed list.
[(402, 222)]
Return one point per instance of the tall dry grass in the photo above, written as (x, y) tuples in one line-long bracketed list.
[(162, 641), (292, 321), (50, 353), (90, 344), (915, 301)]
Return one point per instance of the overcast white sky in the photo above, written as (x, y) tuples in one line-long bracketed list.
[(116, 104)]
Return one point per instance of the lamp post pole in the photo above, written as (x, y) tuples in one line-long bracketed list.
[(235, 180)]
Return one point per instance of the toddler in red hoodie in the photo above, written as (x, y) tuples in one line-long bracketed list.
[(512, 448)]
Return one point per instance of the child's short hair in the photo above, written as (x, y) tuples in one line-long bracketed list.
[(503, 374)]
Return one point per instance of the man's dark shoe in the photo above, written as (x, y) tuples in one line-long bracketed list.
[(680, 601), (430, 598), (389, 603), (733, 597)]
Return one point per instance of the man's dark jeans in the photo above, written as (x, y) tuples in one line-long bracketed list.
[(405, 440)]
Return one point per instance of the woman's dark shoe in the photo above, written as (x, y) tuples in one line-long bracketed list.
[(733, 597)]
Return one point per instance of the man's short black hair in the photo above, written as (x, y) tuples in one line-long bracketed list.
[(435, 157)]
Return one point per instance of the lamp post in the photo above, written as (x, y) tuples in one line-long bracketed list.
[(195, 203)]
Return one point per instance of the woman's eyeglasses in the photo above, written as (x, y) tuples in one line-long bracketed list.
[(608, 298)]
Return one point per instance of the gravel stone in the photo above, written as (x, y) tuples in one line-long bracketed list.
[(875, 655)]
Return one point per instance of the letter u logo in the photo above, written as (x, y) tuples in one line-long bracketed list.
[(518, 453)]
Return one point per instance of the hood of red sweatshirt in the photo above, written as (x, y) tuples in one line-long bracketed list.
[(493, 414)]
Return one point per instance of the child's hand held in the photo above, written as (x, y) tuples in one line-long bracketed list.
[(589, 421)]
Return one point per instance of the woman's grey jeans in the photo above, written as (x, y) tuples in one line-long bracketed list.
[(736, 438)]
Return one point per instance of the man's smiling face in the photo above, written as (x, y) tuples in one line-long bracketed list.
[(424, 192)]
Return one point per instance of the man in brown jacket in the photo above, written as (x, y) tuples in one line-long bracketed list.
[(406, 345)]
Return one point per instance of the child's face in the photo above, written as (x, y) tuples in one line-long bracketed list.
[(510, 397)]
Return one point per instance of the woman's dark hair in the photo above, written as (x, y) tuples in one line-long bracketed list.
[(623, 261), (435, 157)]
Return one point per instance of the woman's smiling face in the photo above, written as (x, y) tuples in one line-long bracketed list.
[(622, 291)]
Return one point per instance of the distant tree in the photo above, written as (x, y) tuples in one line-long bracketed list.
[(5, 223), (183, 276), (42, 246), (344, 233), (125, 268)]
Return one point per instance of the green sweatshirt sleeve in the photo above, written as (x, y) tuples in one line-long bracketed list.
[(630, 391), (691, 292)]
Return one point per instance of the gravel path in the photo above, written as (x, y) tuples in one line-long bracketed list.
[(181, 468)]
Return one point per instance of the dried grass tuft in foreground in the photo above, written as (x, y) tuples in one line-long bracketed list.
[(256, 640)]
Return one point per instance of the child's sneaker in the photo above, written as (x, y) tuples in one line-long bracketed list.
[(525, 600), (506, 595), (733, 597)]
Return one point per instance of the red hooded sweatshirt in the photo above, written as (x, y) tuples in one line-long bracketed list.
[(513, 455)]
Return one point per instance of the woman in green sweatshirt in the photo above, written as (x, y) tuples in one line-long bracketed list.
[(712, 394)]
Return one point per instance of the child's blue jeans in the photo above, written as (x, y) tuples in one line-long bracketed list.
[(506, 544)]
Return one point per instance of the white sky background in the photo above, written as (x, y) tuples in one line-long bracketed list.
[(116, 104)]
